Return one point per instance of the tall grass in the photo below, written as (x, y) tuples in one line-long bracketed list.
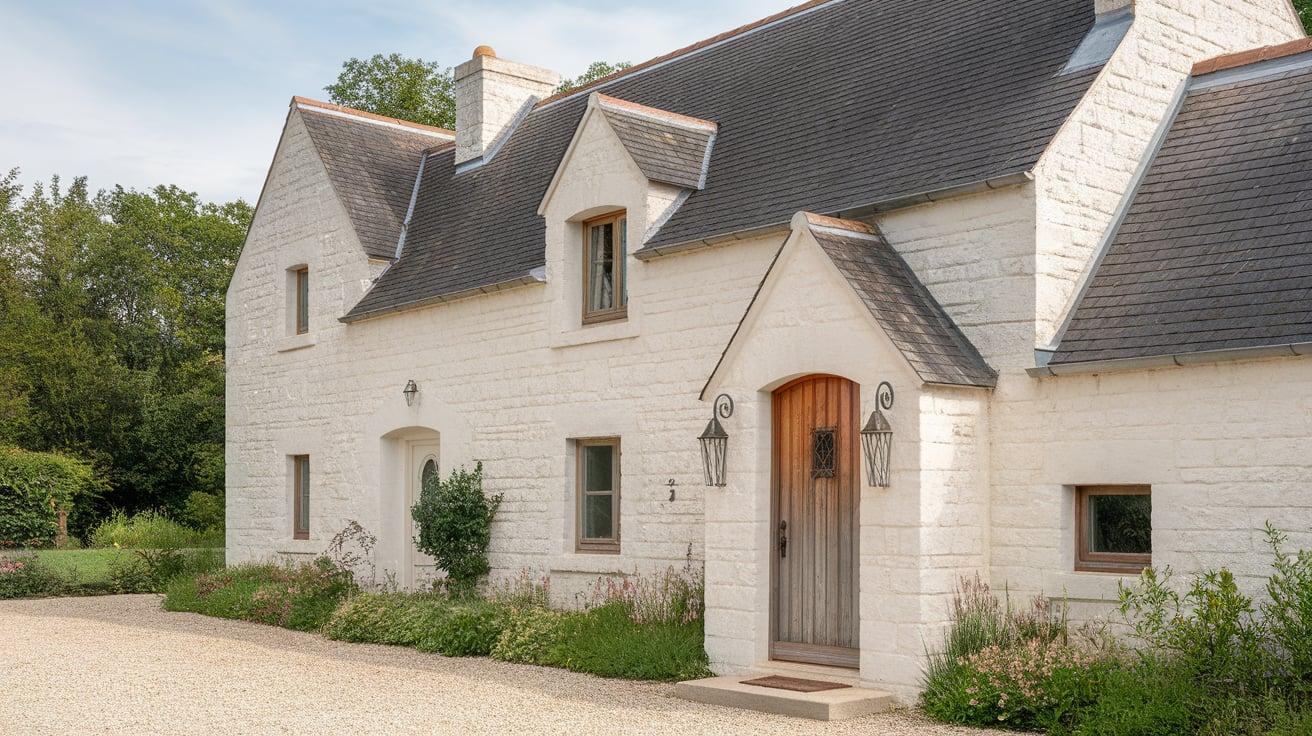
[(150, 530)]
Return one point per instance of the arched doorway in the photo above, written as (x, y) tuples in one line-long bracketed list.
[(816, 521)]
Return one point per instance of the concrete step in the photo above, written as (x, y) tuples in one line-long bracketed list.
[(826, 705)]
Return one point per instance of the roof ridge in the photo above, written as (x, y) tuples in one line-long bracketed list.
[(690, 48), (656, 112), (370, 117), (1252, 56)]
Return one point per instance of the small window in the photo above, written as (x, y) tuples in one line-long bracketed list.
[(1114, 528), (605, 251), (599, 495), (822, 453), (301, 497), (302, 281)]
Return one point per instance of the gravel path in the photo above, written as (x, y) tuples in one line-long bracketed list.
[(120, 665)]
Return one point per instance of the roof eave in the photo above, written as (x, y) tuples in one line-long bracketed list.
[(527, 279), (1202, 357)]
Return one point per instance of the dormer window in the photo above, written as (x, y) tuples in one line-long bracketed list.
[(605, 250)]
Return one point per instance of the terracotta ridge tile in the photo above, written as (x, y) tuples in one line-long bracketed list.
[(1252, 56), (308, 102), (687, 49), (837, 224), (655, 112)]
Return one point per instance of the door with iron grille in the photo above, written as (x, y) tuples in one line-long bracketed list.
[(816, 525)]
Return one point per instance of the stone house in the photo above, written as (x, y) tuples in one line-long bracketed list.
[(1069, 235)]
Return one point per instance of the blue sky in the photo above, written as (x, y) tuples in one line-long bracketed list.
[(140, 93)]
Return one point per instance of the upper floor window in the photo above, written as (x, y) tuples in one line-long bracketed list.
[(1114, 528), (599, 495), (605, 250), (301, 283)]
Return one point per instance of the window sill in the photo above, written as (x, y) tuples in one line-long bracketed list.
[(1086, 586), (625, 329), (595, 563), (296, 342)]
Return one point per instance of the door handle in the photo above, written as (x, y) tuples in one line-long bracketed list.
[(783, 539)]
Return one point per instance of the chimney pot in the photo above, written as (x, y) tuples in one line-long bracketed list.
[(484, 50)]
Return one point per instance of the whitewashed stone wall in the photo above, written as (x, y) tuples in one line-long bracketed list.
[(1087, 169)]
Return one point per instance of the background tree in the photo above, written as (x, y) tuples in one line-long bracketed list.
[(397, 87), (111, 335), (1305, 12), (418, 90), (598, 69)]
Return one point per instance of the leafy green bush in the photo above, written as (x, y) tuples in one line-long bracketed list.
[(608, 643), (454, 520), (301, 597), (150, 530), (204, 511), (530, 636), (428, 622), (26, 576), (464, 628), (34, 487)]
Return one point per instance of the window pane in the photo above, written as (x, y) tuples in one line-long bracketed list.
[(303, 487), (602, 267), (429, 473), (597, 468), (1120, 523), (621, 261), (302, 301), (597, 516), (822, 453)]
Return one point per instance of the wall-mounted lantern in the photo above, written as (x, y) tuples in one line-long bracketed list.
[(715, 442), (410, 390), (877, 438)]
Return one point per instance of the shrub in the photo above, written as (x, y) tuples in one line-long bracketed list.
[(34, 487), (381, 618), (1288, 616), (1147, 698), (300, 597), (467, 628), (151, 570), (26, 576), (529, 636), (522, 591), (671, 596), (606, 642), (150, 530), (1036, 685), (454, 520), (204, 511)]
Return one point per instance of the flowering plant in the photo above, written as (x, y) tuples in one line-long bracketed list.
[(1031, 684)]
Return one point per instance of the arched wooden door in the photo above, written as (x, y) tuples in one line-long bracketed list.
[(816, 521)]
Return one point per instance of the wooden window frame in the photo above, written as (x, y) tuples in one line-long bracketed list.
[(300, 489), (1117, 562), (597, 546), (621, 308), (301, 299)]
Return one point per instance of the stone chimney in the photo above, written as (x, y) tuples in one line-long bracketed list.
[(491, 95)]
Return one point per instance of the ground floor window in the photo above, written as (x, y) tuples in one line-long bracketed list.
[(1113, 526), (300, 497), (598, 479)]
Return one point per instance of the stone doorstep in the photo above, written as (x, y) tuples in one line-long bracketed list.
[(827, 705)]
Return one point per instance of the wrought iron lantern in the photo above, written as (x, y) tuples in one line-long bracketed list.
[(410, 390), (715, 442), (877, 438)]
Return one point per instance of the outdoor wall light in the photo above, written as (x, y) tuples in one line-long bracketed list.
[(715, 442), (410, 390), (877, 438)]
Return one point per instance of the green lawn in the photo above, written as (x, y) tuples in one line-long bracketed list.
[(81, 565)]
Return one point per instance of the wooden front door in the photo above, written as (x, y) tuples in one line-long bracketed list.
[(816, 522)]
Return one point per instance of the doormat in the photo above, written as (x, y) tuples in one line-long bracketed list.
[(796, 684)]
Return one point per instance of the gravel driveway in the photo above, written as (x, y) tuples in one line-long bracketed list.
[(120, 665)]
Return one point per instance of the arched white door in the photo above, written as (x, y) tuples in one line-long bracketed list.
[(422, 466)]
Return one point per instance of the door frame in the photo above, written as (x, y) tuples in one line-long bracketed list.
[(814, 654)]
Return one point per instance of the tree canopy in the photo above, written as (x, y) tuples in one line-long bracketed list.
[(1304, 8), (112, 333), (419, 91)]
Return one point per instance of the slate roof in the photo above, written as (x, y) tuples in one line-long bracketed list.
[(835, 106), (910, 316), (372, 164), (671, 149), (1215, 251)]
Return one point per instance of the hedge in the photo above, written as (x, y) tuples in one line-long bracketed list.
[(34, 486)]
